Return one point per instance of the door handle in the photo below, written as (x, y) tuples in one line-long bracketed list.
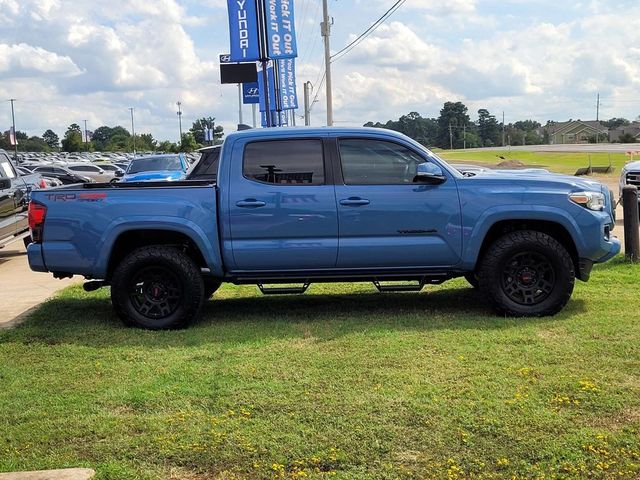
[(354, 202), (251, 203)]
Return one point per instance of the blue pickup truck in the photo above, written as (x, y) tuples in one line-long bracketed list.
[(290, 207)]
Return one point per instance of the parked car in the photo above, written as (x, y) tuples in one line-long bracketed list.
[(304, 205), (630, 175), (91, 170), (15, 191), (115, 171), (66, 176), (157, 168)]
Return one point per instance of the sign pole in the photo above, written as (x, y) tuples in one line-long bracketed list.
[(326, 33), (262, 35), (15, 134), (240, 104)]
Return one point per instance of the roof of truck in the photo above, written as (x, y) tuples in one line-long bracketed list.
[(319, 131)]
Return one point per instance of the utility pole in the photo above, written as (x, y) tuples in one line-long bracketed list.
[(598, 118), (307, 107), (464, 137), (450, 137), (133, 132), (179, 112), (503, 128), (15, 133), (325, 29), (86, 137), (253, 114), (239, 105)]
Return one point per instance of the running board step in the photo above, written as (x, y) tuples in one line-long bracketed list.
[(283, 290), (400, 287)]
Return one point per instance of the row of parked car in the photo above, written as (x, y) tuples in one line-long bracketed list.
[(33, 171)]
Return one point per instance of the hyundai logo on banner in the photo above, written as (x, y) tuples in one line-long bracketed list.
[(281, 32), (243, 30), (250, 93), (287, 83)]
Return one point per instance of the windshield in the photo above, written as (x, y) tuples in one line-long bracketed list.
[(153, 164)]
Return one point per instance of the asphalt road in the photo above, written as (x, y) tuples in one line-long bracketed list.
[(589, 147), (20, 288)]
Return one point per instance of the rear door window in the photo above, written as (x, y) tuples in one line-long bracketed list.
[(285, 162)]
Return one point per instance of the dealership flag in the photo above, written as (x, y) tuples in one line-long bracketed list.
[(243, 30), (281, 31), (13, 141)]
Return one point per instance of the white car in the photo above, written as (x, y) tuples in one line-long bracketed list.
[(92, 171), (630, 175)]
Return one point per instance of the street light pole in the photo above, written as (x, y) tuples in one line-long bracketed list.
[(86, 137), (133, 132), (325, 29), (15, 133), (179, 112)]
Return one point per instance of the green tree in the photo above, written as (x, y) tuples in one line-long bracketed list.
[(167, 146), (421, 129), (199, 126), (188, 143), (33, 144), (72, 141), (615, 122), (488, 128), (453, 118), (626, 138), (106, 138), (51, 139)]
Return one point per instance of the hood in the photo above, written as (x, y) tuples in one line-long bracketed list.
[(531, 178), (632, 166), (158, 176)]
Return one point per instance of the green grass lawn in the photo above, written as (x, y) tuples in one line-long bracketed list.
[(340, 383), (562, 162)]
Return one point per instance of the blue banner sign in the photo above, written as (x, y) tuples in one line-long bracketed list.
[(243, 30), (250, 93), (281, 34), (284, 118), (271, 91), (287, 84)]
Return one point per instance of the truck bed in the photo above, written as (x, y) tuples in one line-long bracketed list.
[(84, 223)]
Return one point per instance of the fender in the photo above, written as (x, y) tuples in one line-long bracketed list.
[(209, 247), (496, 214)]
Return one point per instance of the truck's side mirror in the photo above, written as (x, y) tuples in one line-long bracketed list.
[(429, 173), (5, 183)]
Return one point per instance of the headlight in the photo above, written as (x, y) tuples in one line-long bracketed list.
[(590, 200)]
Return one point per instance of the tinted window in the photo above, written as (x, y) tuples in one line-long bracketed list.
[(59, 171), (287, 162), (43, 169), (154, 164), (6, 170), (375, 162), (207, 166)]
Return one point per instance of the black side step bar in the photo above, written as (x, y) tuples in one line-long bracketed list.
[(283, 290), (400, 287)]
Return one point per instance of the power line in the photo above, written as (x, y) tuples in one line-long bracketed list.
[(368, 31)]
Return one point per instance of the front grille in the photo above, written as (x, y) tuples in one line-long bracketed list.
[(633, 178)]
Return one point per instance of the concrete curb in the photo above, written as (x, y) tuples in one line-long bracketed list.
[(62, 474)]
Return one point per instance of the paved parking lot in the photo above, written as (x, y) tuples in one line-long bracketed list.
[(20, 288)]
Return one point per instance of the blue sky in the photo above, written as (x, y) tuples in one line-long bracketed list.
[(69, 61)]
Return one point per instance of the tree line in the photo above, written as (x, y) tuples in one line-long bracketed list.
[(455, 129), (113, 139)]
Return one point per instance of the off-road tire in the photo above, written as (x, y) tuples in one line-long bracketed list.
[(211, 286), (472, 279), (552, 284), (135, 278)]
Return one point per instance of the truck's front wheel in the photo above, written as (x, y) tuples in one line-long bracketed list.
[(157, 288), (527, 274)]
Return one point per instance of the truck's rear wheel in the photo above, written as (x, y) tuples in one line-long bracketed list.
[(527, 274), (157, 288)]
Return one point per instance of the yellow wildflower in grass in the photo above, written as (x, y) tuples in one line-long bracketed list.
[(588, 386), (503, 462)]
